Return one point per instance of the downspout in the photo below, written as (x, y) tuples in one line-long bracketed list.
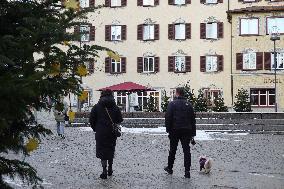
[(231, 49)]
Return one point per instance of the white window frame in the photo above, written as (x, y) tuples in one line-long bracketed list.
[(143, 96), (212, 30), (116, 65), (278, 22), (180, 30), (157, 96), (209, 94), (121, 96), (246, 26), (267, 95), (148, 32), (179, 61), (279, 59), (248, 1), (211, 63), (148, 2), (85, 33), (179, 2), (146, 68), (116, 32), (249, 61), (115, 3), (84, 3)]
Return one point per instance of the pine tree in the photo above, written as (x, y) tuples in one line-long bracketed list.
[(201, 102), (219, 105), (165, 102), (151, 104), (29, 83), (243, 101), (188, 94)]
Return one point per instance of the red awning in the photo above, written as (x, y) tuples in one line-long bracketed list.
[(127, 86)]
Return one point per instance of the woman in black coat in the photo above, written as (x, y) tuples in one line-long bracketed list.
[(102, 125)]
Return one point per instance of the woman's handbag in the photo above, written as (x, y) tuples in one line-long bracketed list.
[(116, 129)]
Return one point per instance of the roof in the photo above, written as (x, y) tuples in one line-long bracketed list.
[(126, 86), (257, 9)]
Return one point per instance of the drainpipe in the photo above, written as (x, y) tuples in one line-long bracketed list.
[(231, 49)]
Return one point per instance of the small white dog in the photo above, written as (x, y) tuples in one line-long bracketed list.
[(205, 164)]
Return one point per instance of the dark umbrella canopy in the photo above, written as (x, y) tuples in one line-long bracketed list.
[(127, 87)]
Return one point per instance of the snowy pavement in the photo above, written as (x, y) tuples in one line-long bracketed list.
[(240, 161)]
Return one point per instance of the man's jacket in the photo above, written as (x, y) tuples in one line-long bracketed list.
[(180, 115)]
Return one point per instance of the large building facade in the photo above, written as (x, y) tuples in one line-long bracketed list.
[(165, 44)]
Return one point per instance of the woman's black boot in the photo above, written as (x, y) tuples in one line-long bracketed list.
[(110, 171), (104, 173)]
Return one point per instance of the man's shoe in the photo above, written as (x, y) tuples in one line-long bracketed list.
[(187, 175), (168, 170), (103, 176), (109, 172)]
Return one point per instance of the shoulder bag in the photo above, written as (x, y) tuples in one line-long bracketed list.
[(116, 129)]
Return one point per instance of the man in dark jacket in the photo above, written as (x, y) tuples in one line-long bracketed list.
[(181, 126)]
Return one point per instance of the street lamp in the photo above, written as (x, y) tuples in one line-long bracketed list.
[(274, 37)]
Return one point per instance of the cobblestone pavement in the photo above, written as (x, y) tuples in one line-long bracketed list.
[(240, 161)]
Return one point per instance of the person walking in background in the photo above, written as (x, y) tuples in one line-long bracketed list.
[(61, 117), (102, 115), (181, 125)]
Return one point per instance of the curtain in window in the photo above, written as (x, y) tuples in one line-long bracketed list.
[(116, 32), (249, 61), (180, 64), (211, 63), (211, 31), (180, 31), (148, 32)]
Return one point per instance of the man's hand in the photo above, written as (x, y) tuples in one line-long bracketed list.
[(193, 141)]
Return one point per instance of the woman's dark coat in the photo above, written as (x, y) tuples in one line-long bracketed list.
[(101, 124)]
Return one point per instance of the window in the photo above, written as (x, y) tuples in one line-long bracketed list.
[(148, 2), (211, 64), (249, 61), (179, 31), (142, 100), (211, 31), (116, 3), (115, 33), (249, 26), (148, 32), (277, 23), (179, 2), (86, 103), (156, 96), (120, 99), (279, 60), (148, 64), (115, 66), (262, 97), (211, 1), (84, 3), (85, 33), (249, 1), (179, 64), (210, 95)]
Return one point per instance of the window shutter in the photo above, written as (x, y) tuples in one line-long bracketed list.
[(187, 1), (239, 61), (188, 63), (156, 2), (267, 61), (156, 32), (139, 2), (123, 3), (220, 62), (171, 2), (220, 1), (157, 64), (240, 0), (171, 31), (107, 64), (188, 31), (259, 60), (202, 31), (139, 64), (107, 3), (123, 64), (91, 67), (123, 32), (91, 3), (171, 63), (77, 32), (140, 32), (203, 63), (92, 33), (108, 32), (220, 26), (202, 1)]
